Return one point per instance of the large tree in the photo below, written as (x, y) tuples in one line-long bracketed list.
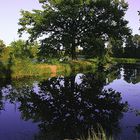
[(67, 24)]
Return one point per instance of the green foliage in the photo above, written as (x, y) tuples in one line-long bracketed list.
[(81, 65), (21, 49), (132, 49), (67, 24), (25, 68), (5, 54), (17, 60), (64, 68), (117, 47), (2, 46), (126, 60)]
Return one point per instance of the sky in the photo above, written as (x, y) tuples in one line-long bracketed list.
[(132, 15), (10, 13)]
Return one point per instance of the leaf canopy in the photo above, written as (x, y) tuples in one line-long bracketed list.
[(68, 24)]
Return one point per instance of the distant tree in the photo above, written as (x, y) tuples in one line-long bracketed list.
[(22, 49), (132, 47), (2, 46), (68, 24)]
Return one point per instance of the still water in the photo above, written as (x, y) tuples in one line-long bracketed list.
[(61, 107)]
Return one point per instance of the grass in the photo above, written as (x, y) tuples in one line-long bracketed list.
[(99, 135), (21, 68), (25, 68), (81, 65), (126, 60), (64, 68)]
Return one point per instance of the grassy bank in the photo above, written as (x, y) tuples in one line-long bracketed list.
[(126, 60), (26, 68)]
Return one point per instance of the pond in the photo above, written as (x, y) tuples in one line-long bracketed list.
[(61, 107)]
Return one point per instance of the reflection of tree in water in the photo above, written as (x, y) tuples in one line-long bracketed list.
[(65, 108), (131, 73), (5, 77), (5, 68), (1, 103), (112, 74), (3, 82), (137, 128)]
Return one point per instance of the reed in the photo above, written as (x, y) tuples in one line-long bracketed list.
[(100, 134)]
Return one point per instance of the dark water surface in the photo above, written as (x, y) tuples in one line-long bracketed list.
[(68, 107)]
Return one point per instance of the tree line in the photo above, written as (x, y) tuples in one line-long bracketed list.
[(131, 48)]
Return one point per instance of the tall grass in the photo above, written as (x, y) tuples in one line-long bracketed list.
[(126, 60), (25, 68), (64, 69), (21, 68), (81, 65), (98, 135)]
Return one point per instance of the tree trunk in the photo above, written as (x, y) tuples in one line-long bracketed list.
[(73, 51)]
